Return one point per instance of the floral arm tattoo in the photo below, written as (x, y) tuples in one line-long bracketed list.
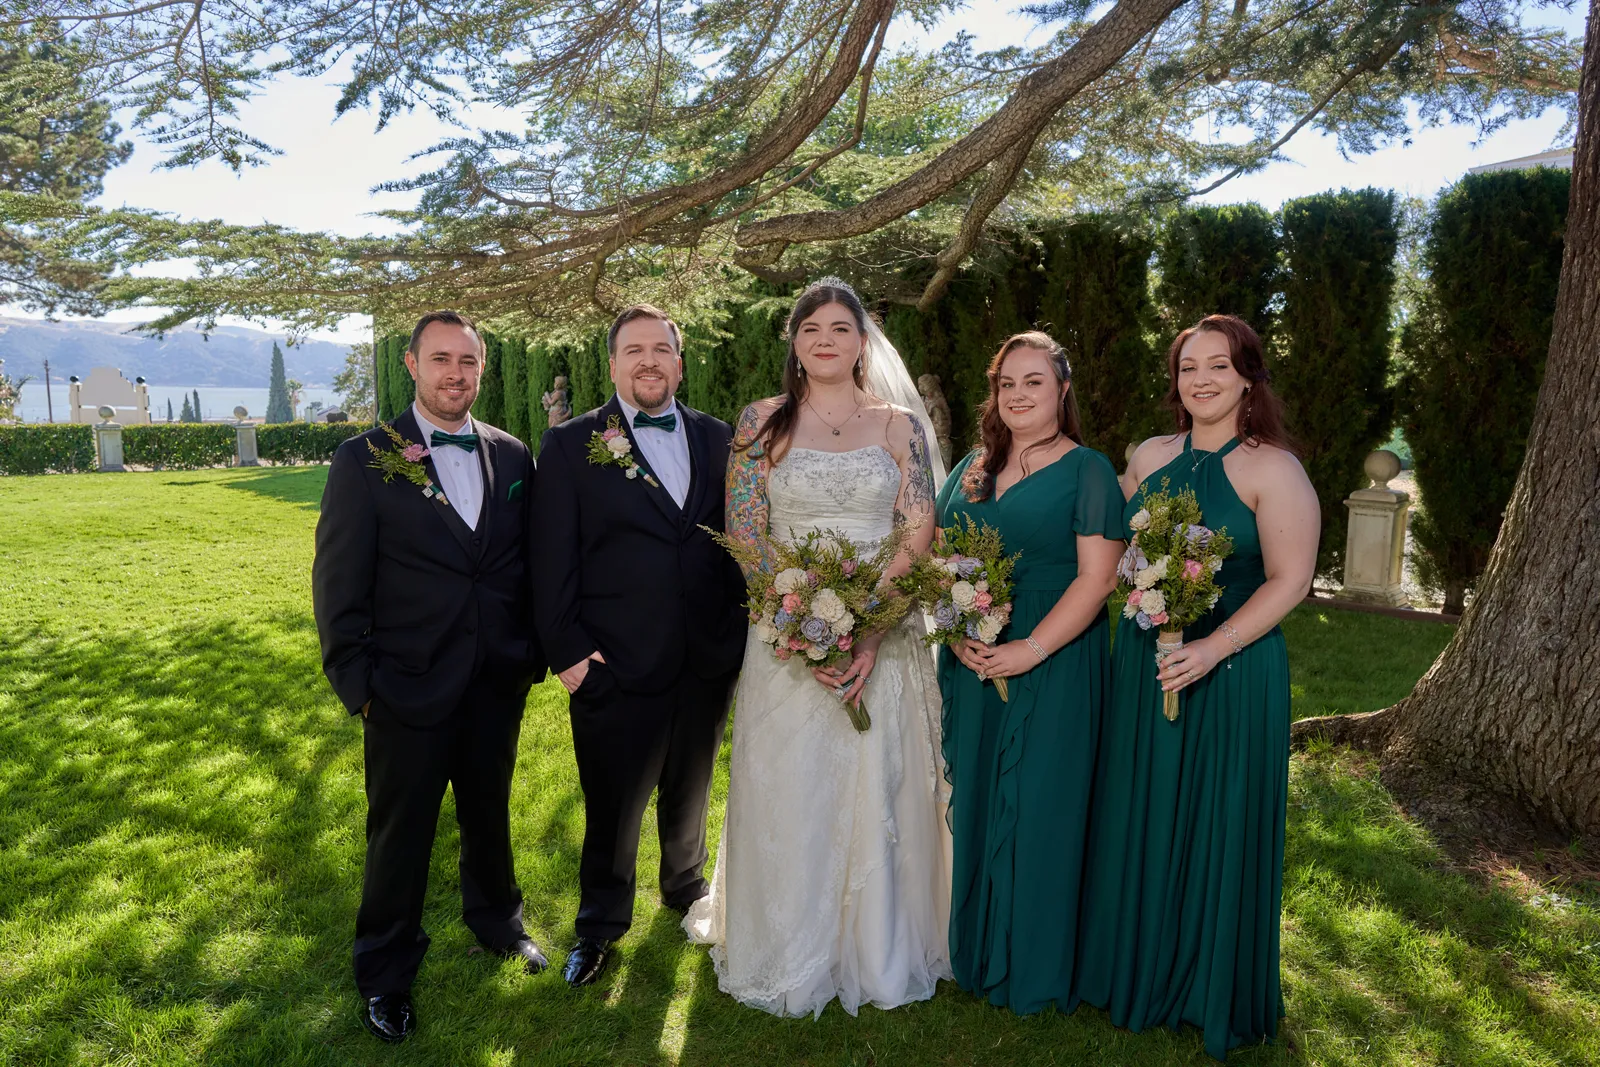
[(917, 494), (747, 490)]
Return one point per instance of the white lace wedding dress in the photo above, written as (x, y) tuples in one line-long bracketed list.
[(833, 875)]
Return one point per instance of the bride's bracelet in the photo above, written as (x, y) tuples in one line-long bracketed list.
[(1037, 650), (1233, 637)]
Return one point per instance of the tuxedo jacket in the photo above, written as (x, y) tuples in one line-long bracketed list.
[(411, 603), (619, 568)]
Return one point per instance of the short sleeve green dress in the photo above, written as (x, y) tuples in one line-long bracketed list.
[(1020, 771), (1184, 876)]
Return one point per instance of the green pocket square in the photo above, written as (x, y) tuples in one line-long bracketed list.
[(514, 492)]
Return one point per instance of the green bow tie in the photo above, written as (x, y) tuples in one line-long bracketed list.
[(668, 422), (468, 441)]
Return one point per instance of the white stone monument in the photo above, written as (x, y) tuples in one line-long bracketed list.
[(108, 441), (106, 387), (1375, 541), (244, 439)]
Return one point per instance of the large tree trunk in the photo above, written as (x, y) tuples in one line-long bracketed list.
[(1513, 703)]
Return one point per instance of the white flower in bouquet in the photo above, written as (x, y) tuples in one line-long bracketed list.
[(950, 566), (1151, 574), (964, 594), (981, 586), (1153, 603), (790, 581), (1140, 520), (1215, 565), (619, 445), (766, 630), (1129, 610), (816, 653), (843, 624), (989, 629), (828, 607)]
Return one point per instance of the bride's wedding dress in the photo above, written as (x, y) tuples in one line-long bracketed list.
[(833, 875)]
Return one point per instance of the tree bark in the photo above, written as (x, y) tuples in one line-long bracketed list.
[(1513, 703)]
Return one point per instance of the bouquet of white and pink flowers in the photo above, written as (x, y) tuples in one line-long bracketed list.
[(1169, 571), (965, 584), (820, 597)]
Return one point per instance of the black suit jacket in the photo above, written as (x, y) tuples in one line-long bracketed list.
[(411, 603), (618, 567)]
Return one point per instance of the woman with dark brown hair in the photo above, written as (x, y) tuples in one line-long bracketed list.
[(1020, 770), (1184, 880)]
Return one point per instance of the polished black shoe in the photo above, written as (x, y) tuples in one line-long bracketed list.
[(533, 960), (390, 1018), (586, 962)]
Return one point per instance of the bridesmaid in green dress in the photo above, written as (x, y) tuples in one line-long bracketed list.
[(1184, 878), (1020, 771)]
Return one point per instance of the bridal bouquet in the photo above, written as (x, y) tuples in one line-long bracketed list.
[(967, 590), (1170, 569), (821, 596)]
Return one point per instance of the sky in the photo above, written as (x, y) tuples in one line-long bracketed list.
[(324, 178)]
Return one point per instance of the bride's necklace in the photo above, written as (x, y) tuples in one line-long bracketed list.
[(830, 425)]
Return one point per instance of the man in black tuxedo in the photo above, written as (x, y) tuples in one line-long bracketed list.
[(421, 596), (642, 614)]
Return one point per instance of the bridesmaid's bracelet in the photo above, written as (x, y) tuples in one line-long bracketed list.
[(1233, 637), (1037, 651)]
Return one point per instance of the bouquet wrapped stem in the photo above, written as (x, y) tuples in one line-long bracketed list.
[(1168, 642)]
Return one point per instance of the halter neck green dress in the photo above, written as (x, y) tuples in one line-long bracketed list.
[(1020, 772), (1184, 878)]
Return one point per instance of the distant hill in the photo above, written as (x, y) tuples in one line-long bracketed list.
[(233, 355)]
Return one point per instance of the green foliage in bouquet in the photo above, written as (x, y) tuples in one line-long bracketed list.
[(1169, 572)]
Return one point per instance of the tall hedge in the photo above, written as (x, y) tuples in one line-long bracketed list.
[(1332, 359), (740, 358), (1217, 260), (178, 447), (1474, 357), (304, 442), (396, 389), (490, 405), (46, 449)]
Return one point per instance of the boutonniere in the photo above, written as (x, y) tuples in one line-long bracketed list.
[(404, 460), (611, 448)]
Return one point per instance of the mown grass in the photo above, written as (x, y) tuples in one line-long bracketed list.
[(180, 848)]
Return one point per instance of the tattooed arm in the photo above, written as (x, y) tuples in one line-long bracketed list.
[(747, 484), (914, 505)]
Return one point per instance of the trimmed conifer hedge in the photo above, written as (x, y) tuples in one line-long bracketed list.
[(1217, 260)]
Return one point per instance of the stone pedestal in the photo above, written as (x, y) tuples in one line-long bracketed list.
[(244, 446), (1375, 543), (108, 446)]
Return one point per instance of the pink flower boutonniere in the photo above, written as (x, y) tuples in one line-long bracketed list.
[(404, 460), (611, 448)]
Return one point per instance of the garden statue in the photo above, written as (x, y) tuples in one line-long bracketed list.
[(938, 413), (558, 402)]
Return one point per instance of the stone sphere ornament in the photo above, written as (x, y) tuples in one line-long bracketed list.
[(241, 413), (107, 412), (1381, 466)]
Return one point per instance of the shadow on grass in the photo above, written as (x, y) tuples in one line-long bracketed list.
[(292, 485)]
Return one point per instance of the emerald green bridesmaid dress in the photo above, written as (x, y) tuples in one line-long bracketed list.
[(1020, 771), (1184, 877)]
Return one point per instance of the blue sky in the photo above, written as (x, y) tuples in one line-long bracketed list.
[(324, 178)]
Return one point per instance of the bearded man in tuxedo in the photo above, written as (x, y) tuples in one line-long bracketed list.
[(643, 616), (422, 604)]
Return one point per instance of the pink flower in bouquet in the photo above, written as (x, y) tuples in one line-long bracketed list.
[(793, 603), (1136, 596), (983, 601), (845, 642), (611, 434), (797, 644), (849, 567), (783, 653), (1191, 569), (772, 590), (813, 579), (414, 453), (1159, 620)]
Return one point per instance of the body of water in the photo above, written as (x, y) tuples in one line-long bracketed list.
[(216, 401)]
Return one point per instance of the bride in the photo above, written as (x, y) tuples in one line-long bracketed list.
[(833, 876)]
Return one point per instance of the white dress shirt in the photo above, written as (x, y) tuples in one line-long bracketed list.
[(666, 454), (460, 475)]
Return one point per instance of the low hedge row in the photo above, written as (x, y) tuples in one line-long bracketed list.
[(166, 446), (46, 449)]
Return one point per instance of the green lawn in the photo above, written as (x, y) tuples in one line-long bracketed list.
[(180, 848)]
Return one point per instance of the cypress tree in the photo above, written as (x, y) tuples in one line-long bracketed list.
[(198, 415), (169, 409), (1474, 358), (490, 405), (187, 415), (1217, 260), (278, 406), (514, 371), (1332, 365)]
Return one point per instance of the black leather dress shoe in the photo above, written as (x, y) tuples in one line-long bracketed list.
[(390, 1018), (586, 962), (533, 960)]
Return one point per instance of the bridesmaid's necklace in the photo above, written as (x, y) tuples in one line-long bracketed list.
[(830, 425)]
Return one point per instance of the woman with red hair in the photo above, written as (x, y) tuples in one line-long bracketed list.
[(1184, 877)]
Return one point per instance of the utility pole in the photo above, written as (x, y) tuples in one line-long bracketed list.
[(49, 404)]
